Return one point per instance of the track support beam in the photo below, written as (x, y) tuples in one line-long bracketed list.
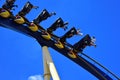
[(49, 67)]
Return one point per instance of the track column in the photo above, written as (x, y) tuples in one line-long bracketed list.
[(49, 67)]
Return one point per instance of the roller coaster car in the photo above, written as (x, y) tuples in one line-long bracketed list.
[(5, 13)]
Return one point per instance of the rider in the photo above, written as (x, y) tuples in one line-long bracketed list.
[(5, 11), (9, 5), (83, 43), (43, 16), (58, 23), (26, 9), (69, 34)]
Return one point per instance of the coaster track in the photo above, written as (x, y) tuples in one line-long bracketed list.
[(98, 73)]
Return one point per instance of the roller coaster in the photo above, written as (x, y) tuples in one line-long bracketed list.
[(46, 38)]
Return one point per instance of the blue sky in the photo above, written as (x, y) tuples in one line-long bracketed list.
[(21, 56)]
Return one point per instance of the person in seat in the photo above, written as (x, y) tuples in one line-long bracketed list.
[(70, 34), (9, 5), (20, 17), (58, 23), (27, 8), (62, 40), (43, 16), (5, 11), (83, 43)]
